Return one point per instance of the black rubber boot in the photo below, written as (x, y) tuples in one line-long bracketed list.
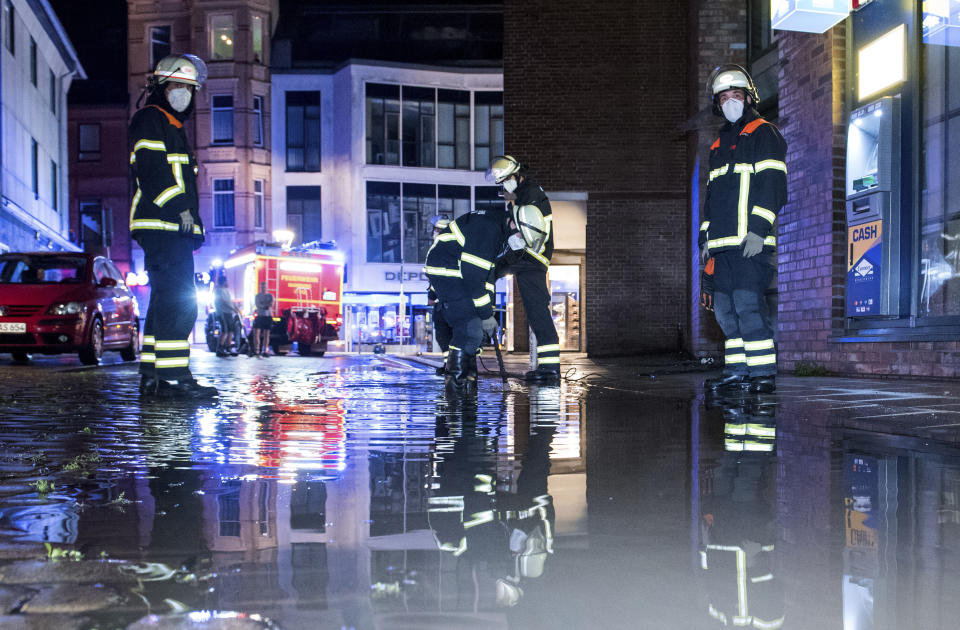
[(763, 384), (461, 376), (190, 389), (727, 381), (441, 370), (544, 374)]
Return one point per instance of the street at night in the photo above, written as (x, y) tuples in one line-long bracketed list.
[(350, 492)]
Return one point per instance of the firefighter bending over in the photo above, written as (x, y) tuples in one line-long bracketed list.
[(459, 266), (747, 188), (165, 221), (528, 258)]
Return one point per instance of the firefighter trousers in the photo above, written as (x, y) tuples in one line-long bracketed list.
[(456, 308), (741, 309), (532, 284), (170, 318), (442, 330)]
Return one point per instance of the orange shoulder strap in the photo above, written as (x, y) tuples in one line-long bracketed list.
[(751, 126), (173, 121)]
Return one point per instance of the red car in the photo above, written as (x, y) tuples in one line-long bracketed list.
[(58, 302)]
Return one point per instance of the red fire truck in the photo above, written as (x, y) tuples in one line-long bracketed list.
[(306, 283)]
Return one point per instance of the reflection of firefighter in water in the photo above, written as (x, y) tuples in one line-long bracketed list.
[(738, 527), (500, 535)]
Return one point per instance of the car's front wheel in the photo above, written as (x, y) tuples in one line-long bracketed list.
[(131, 352), (91, 353)]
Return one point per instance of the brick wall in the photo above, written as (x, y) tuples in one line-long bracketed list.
[(595, 99), (812, 239)]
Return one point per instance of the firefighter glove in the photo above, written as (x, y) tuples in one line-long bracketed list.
[(752, 245), (186, 223), (489, 326), (706, 285)]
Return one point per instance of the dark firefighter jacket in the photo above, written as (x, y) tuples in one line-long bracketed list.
[(530, 193), (465, 250), (165, 172), (748, 184)]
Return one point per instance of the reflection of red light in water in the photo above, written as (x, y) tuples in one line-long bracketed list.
[(304, 436)]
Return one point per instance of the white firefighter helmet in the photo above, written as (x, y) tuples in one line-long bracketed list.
[(532, 225), (188, 69), (440, 223), (502, 167), (729, 76)]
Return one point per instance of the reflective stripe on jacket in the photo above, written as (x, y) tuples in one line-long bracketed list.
[(165, 173), (747, 184), (466, 250)]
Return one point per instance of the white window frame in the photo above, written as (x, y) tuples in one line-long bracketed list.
[(259, 203), (258, 121), (232, 39), (213, 117), (224, 193)]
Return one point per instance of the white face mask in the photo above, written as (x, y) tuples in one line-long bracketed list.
[(179, 98), (510, 185), (732, 110)]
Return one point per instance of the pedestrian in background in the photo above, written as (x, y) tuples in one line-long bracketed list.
[(227, 314), (262, 321), (165, 221)]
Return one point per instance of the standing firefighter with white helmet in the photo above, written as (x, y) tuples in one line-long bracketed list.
[(528, 258), (746, 190), (165, 221)]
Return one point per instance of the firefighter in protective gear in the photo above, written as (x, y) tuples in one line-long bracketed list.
[(459, 266), (528, 258), (746, 190), (441, 328), (165, 221)]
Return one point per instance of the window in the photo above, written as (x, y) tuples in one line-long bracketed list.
[(453, 201), (939, 273), (383, 124), (94, 225), (221, 37), (258, 121), (258, 204), (34, 167), (453, 129), (488, 198), (223, 203), (33, 62), (303, 131), (159, 44), (9, 27), (303, 212), (419, 206), (419, 108), (488, 128), (228, 508), (53, 92), (88, 143), (221, 117), (257, 28), (383, 222), (54, 198)]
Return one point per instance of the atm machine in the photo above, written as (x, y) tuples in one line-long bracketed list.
[(873, 209)]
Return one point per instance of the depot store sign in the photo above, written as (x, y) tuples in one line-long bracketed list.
[(809, 16)]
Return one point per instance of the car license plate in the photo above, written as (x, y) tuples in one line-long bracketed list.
[(13, 327)]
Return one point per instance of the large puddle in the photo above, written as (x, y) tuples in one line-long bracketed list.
[(350, 493)]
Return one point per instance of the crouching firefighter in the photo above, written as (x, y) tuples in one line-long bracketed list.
[(459, 266), (747, 188), (165, 221), (528, 258)]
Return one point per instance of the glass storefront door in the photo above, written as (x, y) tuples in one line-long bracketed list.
[(565, 304)]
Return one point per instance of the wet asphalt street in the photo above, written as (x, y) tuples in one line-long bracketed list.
[(349, 492)]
